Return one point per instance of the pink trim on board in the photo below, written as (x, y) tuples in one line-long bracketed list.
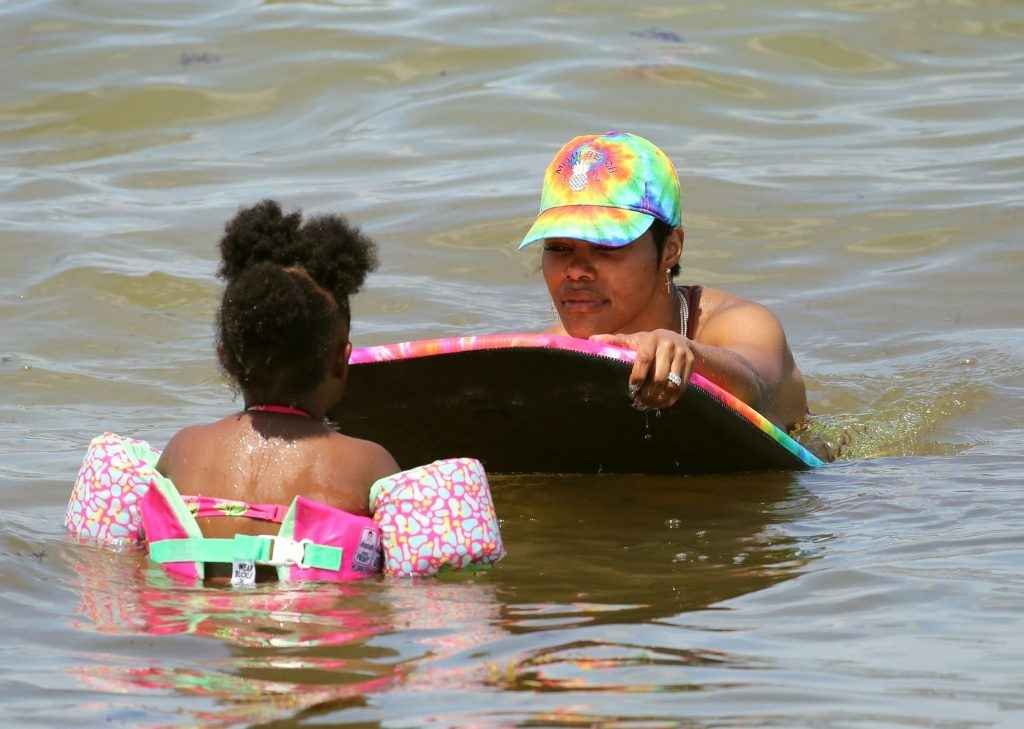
[(452, 345)]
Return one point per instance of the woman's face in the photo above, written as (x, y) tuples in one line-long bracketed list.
[(599, 290)]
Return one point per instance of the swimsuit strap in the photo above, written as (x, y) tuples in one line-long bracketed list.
[(693, 295), (202, 506), (279, 409)]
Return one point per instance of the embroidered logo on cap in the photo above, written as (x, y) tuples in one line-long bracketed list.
[(583, 159)]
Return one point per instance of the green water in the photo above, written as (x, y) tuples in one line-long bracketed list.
[(856, 165)]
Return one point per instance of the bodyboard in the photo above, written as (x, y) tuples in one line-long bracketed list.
[(539, 403)]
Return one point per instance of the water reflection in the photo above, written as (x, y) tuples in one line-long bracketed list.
[(610, 549), (121, 593), (584, 552), (289, 649), (623, 555), (610, 666)]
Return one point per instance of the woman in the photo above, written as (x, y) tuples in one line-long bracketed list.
[(610, 225)]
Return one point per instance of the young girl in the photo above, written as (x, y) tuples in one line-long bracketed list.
[(283, 339), (274, 487)]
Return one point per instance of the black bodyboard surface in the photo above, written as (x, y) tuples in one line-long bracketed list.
[(550, 410)]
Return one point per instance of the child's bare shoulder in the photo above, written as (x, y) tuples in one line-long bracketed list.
[(191, 443), (370, 459)]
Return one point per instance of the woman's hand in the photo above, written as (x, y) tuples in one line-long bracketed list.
[(662, 367)]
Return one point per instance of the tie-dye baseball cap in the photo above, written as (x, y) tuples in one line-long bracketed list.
[(606, 189)]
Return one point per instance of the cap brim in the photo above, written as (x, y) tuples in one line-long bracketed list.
[(603, 226)]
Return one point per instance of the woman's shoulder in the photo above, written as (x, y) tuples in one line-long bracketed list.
[(714, 300), (718, 304)]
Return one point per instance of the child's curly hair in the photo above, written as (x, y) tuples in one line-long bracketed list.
[(287, 297)]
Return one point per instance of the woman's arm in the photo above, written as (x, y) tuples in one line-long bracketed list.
[(741, 348)]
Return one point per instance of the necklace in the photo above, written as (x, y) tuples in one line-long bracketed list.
[(279, 409), (684, 310)]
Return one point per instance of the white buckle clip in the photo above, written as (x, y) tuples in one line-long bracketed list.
[(286, 551)]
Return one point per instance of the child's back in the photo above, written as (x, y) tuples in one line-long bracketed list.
[(283, 339), (270, 459)]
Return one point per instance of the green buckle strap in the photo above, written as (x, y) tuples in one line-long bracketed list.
[(322, 557), (269, 550), (204, 549)]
